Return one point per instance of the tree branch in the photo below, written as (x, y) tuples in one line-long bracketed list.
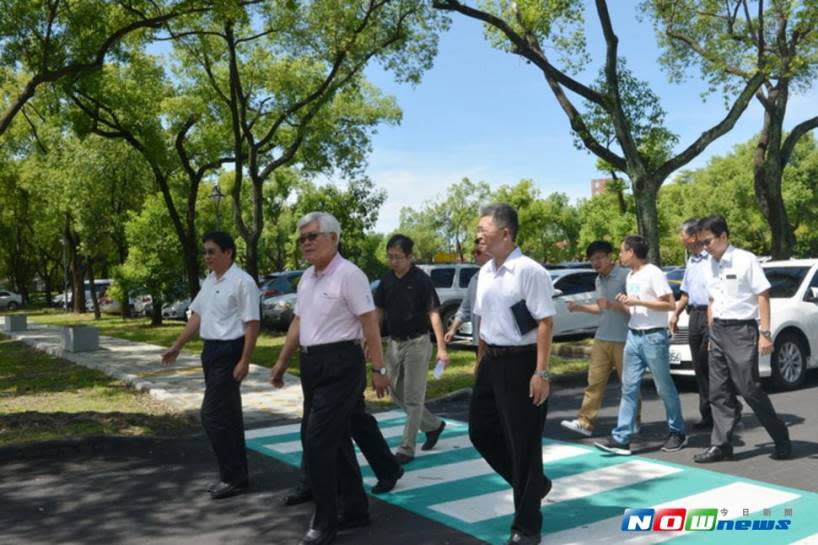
[(795, 134)]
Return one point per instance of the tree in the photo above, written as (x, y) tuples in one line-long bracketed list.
[(732, 41), (46, 41), (456, 215), (154, 262), (529, 28), (289, 78), (420, 226), (179, 136)]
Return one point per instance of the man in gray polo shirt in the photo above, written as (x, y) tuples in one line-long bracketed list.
[(609, 341)]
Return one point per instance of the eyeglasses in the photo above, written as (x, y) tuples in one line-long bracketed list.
[(395, 257), (311, 237), (707, 241)]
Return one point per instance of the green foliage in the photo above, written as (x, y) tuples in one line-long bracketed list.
[(154, 261)]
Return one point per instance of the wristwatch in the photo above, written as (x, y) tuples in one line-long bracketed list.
[(545, 375), (380, 371), (766, 333)]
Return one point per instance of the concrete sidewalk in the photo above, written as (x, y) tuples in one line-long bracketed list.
[(180, 386)]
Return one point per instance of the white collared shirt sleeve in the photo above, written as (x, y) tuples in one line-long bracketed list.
[(248, 300), (355, 291), (538, 292), (756, 278)]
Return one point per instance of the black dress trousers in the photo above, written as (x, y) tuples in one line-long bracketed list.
[(506, 429), (698, 341), (333, 385), (222, 416), (734, 365)]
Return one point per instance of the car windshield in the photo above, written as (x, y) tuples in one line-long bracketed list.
[(785, 280)]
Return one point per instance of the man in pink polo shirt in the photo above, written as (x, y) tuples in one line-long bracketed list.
[(333, 312)]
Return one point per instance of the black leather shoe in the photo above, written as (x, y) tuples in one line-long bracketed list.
[(297, 495), (227, 490), (520, 539), (546, 488), (385, 485), (403, 458), (319, 537), (703, 425), (432, 437), (782, 451), (212, 485), (714, 454), (354, 521)]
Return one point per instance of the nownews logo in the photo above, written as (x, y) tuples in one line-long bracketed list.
[(696, 520)]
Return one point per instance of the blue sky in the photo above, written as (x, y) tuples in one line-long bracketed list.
[(486, 115)]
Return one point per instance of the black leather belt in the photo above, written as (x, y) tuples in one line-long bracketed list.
[(409, 337), (721, 321), (696, 307), (329, 347), (502, 351), (647, 331)]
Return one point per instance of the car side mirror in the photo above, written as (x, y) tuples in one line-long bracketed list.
[(812, 296), (557, 293)]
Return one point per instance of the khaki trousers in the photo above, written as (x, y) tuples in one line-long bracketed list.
[(407, 363)]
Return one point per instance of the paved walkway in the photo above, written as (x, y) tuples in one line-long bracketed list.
[(180, 386)]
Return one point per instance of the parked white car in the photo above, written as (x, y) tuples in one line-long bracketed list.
[(793, 322), (176, 310), (10, 300)]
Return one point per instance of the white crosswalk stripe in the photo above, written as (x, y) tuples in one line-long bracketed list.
[(286, 429), (420, 478), (498, 504), (734, 497)]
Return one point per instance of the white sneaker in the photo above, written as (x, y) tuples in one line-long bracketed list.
[(576, 426)]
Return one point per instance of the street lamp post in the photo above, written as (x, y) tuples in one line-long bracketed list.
[(216, 196)]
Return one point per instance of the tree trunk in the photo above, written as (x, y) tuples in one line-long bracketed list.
[(646, 192), (75, 264), (191, 261), (156, 313), (768, 170)]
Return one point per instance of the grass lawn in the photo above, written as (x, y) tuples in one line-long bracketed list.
[(43, 398), (459, 374)]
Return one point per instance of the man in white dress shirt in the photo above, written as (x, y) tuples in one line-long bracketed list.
[(508, 405), (333, 313), (739, 295), (225, 313)]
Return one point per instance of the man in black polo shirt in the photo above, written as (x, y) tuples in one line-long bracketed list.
[(407, 300)]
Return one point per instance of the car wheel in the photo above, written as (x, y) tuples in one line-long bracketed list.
[(12, 306), (789, 362)]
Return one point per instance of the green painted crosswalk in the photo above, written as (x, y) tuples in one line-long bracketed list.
[(454, 486)]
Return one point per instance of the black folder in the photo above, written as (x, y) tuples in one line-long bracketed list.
[(525, 321)]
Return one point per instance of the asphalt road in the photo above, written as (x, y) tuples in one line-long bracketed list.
[(144, 491)]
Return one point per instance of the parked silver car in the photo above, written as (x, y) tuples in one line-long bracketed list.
[(277, 312), (451, 281), (176, 310), (10, 300)]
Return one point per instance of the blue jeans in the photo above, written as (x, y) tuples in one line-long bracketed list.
[(647, 351)]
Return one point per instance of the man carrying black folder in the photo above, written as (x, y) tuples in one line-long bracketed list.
[(509, 402)]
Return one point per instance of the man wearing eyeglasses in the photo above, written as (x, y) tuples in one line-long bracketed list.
[(739, 294), (225, 313), (511, 389), (333, 312), (407, 301), (464, 311)]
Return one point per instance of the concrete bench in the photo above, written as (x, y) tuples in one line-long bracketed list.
[(15, 322), (80, 338)]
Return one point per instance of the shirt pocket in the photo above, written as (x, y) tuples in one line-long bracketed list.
[(329, 302)]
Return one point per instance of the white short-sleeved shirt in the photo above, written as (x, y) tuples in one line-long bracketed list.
[(331, 302), (225, 304), (694, 282), (519, 278), (647, 284), (734, 284)]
